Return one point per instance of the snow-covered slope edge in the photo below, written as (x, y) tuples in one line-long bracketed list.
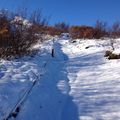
[(18, 76), (79, 83)]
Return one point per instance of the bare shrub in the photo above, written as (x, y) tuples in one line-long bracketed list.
[(78, 32), (17, 35), (50, 30), (115, 30), (100, 29), (61, 27)]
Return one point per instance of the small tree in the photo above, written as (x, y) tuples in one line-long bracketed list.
[(115, 30), (100, 29), (62, 27), (37, 18)]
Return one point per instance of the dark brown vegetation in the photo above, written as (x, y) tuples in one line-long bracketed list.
[(89, 32), (78, 32), (115, 30), (100, 30), (15, 37), (110, 55)]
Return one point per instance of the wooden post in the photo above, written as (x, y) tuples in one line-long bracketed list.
[(52, 52)]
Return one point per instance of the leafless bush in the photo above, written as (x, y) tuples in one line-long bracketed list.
[(37, 18), (16, 35), (62, 27), (100, 29), (84, 32), (115, 30)]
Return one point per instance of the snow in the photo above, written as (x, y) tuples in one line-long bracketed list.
[(117, 51), (27, 23), (79, 83), (20, 21), (65, 36)]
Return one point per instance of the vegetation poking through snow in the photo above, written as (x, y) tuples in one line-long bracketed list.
[(110, 55)]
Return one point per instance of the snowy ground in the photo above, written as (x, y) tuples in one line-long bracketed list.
[(77, 84)]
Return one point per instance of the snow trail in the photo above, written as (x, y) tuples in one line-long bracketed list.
[(49, 97)]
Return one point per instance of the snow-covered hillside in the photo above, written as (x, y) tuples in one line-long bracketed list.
[(79, 83)]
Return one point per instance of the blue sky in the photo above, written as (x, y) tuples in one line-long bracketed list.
[(75, 12)]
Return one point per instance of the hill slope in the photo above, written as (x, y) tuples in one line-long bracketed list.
[(76, 84)]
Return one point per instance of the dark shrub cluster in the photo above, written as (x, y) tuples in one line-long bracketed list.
[(78, 32), (57, 29), (89, 32), (108, 53), (17, 35), (51, 30), (62, 27), (100, 30)]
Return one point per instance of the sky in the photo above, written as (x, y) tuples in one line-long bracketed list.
[(73, 12)]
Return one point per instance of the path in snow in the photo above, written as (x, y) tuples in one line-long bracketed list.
[(48, 99)]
